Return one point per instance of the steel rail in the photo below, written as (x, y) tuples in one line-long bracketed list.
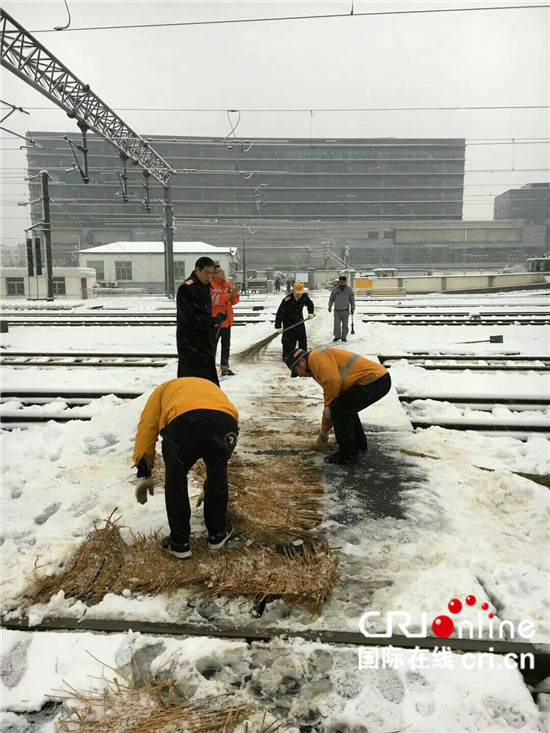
[(519, 428), (456, 322), (106, 322), (540, 652), (465, 399), (466, 357)]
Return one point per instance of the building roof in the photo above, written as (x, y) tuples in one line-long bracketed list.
[(145, 248)]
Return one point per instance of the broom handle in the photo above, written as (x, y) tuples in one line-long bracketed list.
[(294, 324)]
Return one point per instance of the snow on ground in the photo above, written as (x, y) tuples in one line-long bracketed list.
[(294, 680), (412, 532)]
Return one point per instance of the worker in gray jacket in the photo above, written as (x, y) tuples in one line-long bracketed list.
[(343, 300)]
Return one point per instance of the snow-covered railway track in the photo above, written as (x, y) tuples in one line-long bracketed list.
[(90, 359), (123, 321), (482, 402), (454, 362), (21, 408), (456, 313), (459, 321)]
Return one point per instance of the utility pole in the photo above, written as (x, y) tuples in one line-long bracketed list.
[(244, 260), (46, 228), (169, 243)]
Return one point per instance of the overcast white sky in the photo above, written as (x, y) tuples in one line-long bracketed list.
[(489, 58)]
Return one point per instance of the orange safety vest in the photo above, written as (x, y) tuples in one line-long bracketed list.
[(224, 297), (171, 399)]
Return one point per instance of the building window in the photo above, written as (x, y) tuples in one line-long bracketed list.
[(15, 286), (179, 270), (372, 235), (123, 270), (99, 267), (59, 286)]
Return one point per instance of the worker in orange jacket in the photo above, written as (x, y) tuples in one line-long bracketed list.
[(224, 297), (350, 383), (196, 420)]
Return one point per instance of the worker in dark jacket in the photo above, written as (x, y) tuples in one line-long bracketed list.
[(290, 312), (196, 420), (196, 328), (350, 383)]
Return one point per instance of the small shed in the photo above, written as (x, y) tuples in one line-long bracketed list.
[(141, 264)]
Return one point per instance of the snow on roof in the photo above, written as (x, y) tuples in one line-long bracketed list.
[(157, 248)]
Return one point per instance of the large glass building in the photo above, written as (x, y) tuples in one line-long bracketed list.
[(312, 193)]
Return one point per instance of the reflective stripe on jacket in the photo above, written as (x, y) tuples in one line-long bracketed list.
[(337, 370), (171, 399), (224, 297)]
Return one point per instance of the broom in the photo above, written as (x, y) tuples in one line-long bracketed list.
[(257, 348)]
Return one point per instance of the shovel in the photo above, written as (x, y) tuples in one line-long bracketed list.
[(352, 326)]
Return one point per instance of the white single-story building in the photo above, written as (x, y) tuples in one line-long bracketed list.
[(141, 264), (68, 282)]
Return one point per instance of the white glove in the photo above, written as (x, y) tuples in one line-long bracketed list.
[(310, 316), (144, 485), (322, 442)]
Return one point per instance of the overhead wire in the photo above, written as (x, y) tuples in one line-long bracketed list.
[(234, 21), (320, 109)]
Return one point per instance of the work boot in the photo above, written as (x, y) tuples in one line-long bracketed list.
[(217, 541), (226, 372), (180, 551), (335, 339), (340, 459), (344, 339)]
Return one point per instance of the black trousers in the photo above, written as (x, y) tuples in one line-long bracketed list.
[(296, 335), (344, 410), (212, 436), (196, 358), (225, 338)]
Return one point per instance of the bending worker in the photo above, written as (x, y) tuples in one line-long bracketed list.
[(291, 312), (343, 299), (350, 383), (196, 420), (224, 297), (196, 328)]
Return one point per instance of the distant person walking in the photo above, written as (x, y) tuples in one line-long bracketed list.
[(277, 285), (291, 312), (224, 297), (343, 300), (196, 328)]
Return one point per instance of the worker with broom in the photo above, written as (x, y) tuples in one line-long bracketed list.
[(343, 300), (290, 312), (224, 297), (350, 384), (196, 420), (196, 328)]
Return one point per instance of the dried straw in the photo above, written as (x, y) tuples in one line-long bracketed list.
[(275, 509), (106, 564), (154, 705)]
